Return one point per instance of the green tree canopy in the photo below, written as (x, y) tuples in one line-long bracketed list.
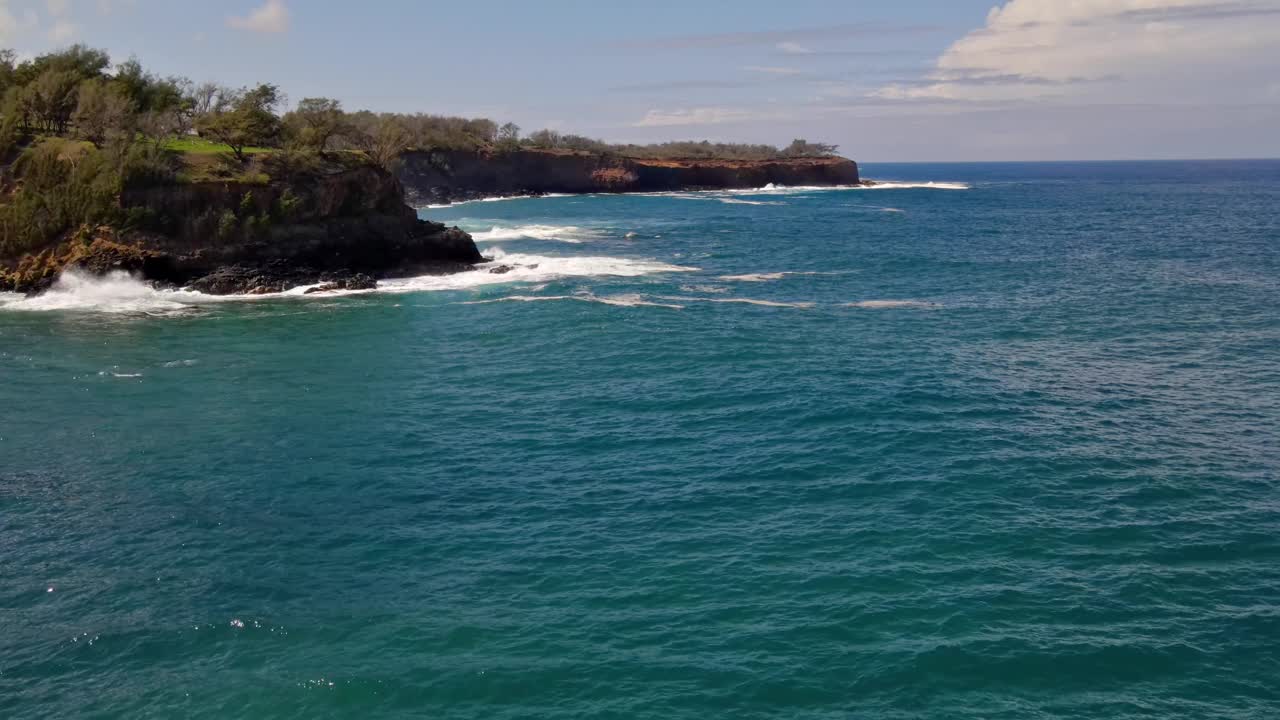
[(250, 121), (316, 121)]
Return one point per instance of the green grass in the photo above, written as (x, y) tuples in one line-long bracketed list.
[(200, 146)]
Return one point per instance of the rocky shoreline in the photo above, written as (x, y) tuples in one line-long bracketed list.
[(443, 177), (345, 226), (340, 230)]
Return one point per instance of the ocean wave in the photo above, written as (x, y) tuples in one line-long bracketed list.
[(754, 277), (896, 185), (889, 304), (120, 293), (629, 300), (769, 276), (116, 292), (803, 305), (496, 198), (733, 196), (738, 201), (521, 267), (559, 233), (764, 303), (707, 289)]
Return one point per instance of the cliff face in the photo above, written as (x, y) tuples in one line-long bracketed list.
[(447, 176), (346, 227)]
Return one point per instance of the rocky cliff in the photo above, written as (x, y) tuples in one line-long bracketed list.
[(346, 226), (449, 176)]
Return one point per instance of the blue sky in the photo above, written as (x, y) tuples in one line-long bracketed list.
[(903, 80)]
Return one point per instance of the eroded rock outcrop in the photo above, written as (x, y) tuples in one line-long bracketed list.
[(341, 226)]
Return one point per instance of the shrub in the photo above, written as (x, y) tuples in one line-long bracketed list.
[(227, 225)]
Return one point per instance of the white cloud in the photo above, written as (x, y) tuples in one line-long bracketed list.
[(108, 7), (772, 70), (13, 26), (1120, 50), (793, 48), (272, 17), (696, 116), (63, 31)]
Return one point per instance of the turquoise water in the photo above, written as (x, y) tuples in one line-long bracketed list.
[(1001, 448)]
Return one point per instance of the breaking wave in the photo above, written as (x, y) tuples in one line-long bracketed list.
[(120, 293), (520, 267), (559, 233), (496, 198), (733, 196), (116, 292), (892, 185)]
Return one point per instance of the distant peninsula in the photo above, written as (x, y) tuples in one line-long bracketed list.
[(445, 176), (107, 167)]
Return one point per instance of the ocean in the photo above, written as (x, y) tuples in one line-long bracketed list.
[(988, 441)]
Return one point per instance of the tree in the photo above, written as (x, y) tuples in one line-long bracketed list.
[(317, 121), (15, 109), (545, 139), (387, 140), (509, 136), (8, 59), (103, 112), (250, 121), (160, 125), (52, 99), (803, 148), (82, 61), (207, 98)]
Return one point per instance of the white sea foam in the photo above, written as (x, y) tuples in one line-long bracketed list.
[(630, 300), (734, 194), (763, 303), (531, 269), (766, 277), (742, 301), (560, 233), (116, 292), (889, 304), (119, 293), (737, 201), (754, 277), (498, 198), (895, 185)]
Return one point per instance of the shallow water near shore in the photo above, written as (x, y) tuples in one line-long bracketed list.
[(1003, 446)]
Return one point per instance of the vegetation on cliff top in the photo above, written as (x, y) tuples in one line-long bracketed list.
[(76, 130)]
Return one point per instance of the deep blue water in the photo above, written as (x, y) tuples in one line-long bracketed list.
[(1007, 451)]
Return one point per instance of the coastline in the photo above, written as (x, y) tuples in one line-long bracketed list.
[(345, 226), (440, 178)]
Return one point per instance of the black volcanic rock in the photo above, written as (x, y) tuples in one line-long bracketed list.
[(348, 226)]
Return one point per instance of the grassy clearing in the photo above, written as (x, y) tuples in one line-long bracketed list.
[(200, 146)]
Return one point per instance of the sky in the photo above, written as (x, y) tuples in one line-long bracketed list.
[(900, 80)]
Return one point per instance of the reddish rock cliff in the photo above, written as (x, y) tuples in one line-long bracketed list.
[(446, 176)]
